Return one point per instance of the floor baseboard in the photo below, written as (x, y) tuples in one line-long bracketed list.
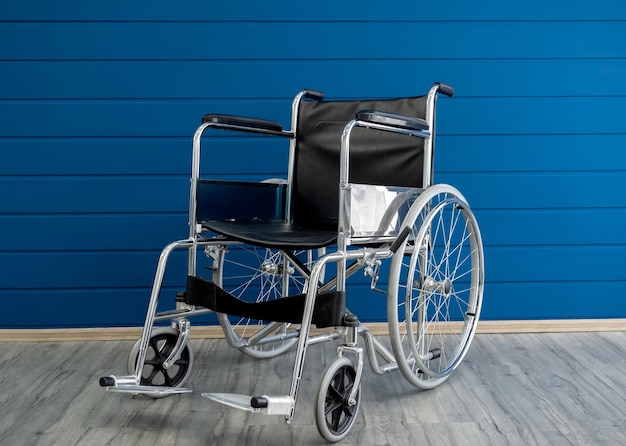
[(215, 332)]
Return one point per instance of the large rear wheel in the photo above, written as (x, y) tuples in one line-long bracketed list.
[(435, 287)]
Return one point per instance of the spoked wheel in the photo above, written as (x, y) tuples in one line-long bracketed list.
[(335, 412), (257, 274), (435, 287), (161, 344)]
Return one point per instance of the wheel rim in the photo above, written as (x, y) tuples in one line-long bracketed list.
[(439, 281), (443, 301)]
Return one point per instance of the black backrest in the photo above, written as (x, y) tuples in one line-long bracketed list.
[(376, 157)]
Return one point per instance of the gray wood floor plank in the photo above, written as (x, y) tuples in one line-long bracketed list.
[(512, 389)]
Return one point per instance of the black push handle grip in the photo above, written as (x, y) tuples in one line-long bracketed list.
[(313, 94), (446, 89), (401, 237)]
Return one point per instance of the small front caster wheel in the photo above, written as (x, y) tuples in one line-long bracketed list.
[(153, 373), (335, 412)]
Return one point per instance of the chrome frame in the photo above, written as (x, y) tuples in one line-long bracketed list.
[(363, 256)]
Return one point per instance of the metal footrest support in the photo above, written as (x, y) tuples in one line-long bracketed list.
[(130, 384), (267, 405)]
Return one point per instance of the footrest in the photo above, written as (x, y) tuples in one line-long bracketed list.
[(268, 405), (129, 384), (148, 390)]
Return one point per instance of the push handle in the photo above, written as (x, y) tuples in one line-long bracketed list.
[(445, 89), (313, 94), (401, 237)]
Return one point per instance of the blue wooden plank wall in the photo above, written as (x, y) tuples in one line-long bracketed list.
[(98, 102)]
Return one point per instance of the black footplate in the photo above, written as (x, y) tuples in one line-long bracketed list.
[(329, 307)]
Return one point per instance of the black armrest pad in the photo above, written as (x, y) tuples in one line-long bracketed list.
[(392, 119), (242, 121)]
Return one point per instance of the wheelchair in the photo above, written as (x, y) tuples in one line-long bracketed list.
[(278, 254)]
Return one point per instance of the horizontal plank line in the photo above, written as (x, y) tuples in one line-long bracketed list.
[(522, 246), (526, 172), (249, 136), (109, 138), (145, 289), (96, 176), (555, 246), (454, 135), (550, 210), (518, 283), (197, 99), (420, 21), (87, 214), (83, 252), (182, 137), (220, 135), (514, 135), (356, 285), (215, 332), (96, 214), (83, 60), (552, 282), (562, 247), (183, 212)]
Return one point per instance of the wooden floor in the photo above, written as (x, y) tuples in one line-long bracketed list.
[(512, 389)]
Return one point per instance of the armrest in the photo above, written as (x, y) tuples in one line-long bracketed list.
[(392, 120), (244, 124)]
